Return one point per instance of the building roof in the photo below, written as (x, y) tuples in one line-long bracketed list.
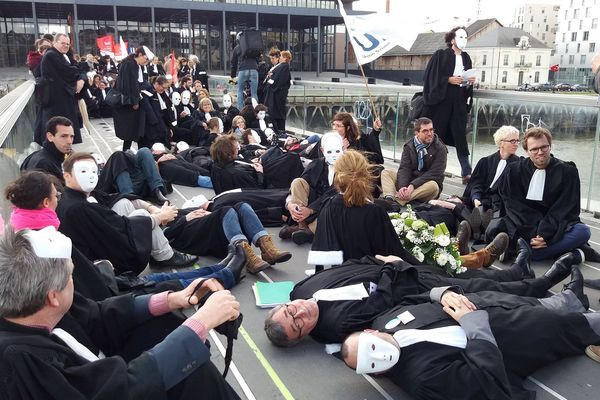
[(427, 43), (396, 51), (480, 24), (506, 37)]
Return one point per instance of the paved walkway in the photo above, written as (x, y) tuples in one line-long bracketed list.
[(262, 371)]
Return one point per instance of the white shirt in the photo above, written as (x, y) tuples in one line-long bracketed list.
[(458, 66)]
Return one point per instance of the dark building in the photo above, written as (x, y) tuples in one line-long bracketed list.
[(205, 28)]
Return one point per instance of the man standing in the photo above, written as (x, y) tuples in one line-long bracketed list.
[(64, 81), (421, 172), (541, 196), (246, 68), (56, 147)]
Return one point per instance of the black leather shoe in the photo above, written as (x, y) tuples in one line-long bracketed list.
[(178, 260), (523, 259), (463, 235), (592, 283), (561, 268), (230, 254), (302, 236), (158, 198), (589, 253), (474, 220), (576, 286), (237, 263)]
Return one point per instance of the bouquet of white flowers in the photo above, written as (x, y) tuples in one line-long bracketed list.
[(427, 243)]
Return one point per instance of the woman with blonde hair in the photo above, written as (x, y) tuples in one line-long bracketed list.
[(350, 225)]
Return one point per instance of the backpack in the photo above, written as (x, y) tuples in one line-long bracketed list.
[(415, 109), (251, 43)]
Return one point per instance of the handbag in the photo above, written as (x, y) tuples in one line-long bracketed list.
[(114, 98)]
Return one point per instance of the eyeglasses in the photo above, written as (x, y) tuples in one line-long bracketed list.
[(298, 323), (512, 141), (543, 149), (427, 130), (337, 124), (58, 196), (64, 43)]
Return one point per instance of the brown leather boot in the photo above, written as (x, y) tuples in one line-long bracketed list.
[(270, 253), (463, 235), (477, 259), (254, 264), (496, 247)]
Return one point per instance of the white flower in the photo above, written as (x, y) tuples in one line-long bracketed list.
[(441, 259), (442, 240), (411, 236)]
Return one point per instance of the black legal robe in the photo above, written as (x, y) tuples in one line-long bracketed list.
[(277, 92), (554, 214), (180, 171), (281, 167), (369, 145), (235, 175), (129, 123), (155, 129), (397, 283), (481, 179), (100, 233), (227, 115)]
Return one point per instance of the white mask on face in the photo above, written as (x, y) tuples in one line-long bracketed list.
[(261, 115), (461, 39), (176, 98), (226, 101), (331, 146), (185, 97), (375, 354), (86, 175)]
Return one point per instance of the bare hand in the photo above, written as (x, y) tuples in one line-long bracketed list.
[(167, 213), (476, 203), (388, 259), (79, 86), (538, 242), (405, 192), (457, 313), (135, 107), (456, 301), (257, 166), (471, 79), (199, 213), (455, 80), (377, 124), (220, 307), (299, 213), (166, 157), (198, 289), (345, 144)]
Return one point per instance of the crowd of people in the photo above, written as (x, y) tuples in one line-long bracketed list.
[(81, 317)]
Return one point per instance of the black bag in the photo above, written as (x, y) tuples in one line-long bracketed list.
[(416, 106), (251, 43), (114, 98), (42, 91)]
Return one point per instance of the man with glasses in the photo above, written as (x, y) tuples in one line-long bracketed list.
[(421, 172), (541, 198), (64, 80)]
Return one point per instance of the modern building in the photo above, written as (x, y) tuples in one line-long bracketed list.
[(539, 20), (206, 28), (577, 40), (508, 57)]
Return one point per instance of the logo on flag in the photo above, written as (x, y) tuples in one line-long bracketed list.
[(554, 68)]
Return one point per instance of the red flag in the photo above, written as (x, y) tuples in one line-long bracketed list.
[(554, 68), (174, 67), (105, 45)]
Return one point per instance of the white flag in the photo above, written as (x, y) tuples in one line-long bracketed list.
[(371, 35)]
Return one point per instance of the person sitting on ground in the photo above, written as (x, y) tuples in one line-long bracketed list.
[(228, 112), (56, 147), (154, 103), (263, 125), (475, 346), (330, 319), (238, 125), (54, 341), (421, 171), (202, 117), (540, 195)]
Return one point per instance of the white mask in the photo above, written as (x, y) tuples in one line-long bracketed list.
[(461, 39), (261, 115), (332, 147), (176, 98), (226, 101), (185, 97), (375, 354), (86, 175)]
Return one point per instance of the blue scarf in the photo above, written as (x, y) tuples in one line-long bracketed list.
[(421, 151)]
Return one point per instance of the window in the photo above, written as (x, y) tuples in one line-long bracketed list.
[(538, 61), (505, 60), (547, 27), (592, 47), (571, 59), (587, 12), (573, 36), (484, 62), (536, 77), (522, 60), (543, 36), (482, 76), (569, 26), (567, 48), (564, 37), (576, 13), (586, 35), (531, 19), (582, 59), (562, 59), (594, 23), (504, 76), (578, 47), (566, 12), (580, 24)]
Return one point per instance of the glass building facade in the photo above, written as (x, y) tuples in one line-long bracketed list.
[(206, 28)]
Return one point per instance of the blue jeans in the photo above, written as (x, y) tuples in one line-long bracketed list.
[(242, 224), (576, 236), (145, 171), (216, 271), (243, 76), (465, 166)]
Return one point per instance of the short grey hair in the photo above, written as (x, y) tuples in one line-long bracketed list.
[(59, 35), (25, 278), (503, 132), (276, 333)]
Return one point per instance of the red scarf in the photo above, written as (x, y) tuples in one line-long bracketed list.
[(33, 219)]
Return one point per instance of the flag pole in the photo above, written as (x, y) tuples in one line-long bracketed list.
[(368, 91)]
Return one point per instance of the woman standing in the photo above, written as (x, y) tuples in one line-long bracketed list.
[(128, 117), (277, 86), (446, 92)]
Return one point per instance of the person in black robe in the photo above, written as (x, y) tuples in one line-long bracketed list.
[(446, 92), (277, 85), (155, 68), (228, 112), (541, 197), (128, 117), (198, 72), (63, 82), (388, 284), (179, 120), (100, 91), (507, 339), (123, 346), (201, 118), (264, 125), (155, 110)]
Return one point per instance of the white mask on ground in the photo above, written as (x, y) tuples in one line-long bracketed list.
[(375, 354), (86, 175)]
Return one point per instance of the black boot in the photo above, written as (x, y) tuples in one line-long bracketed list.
[(475, 221), (523, 260), (230, 254), (592, 283), (589, 253), (177, 260), (158, 198), (237, 263), (576, 286), (561, 268), (463, 235)]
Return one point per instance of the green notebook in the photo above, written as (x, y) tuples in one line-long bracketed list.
[(271, 294)]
